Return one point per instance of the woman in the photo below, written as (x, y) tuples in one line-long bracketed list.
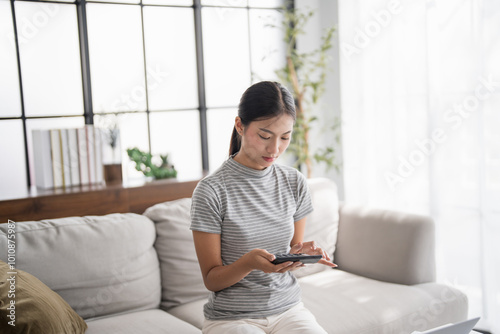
[(247, 211)]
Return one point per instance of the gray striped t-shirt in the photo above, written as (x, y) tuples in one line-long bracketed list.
[(251, 209)]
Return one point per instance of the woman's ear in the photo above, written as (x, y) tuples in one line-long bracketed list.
[(238, 125)]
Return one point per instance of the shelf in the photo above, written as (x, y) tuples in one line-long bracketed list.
[(96, 199)]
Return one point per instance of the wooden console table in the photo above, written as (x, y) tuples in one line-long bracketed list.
[(94, 200)]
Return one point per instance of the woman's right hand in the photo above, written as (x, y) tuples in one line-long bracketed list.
[(260, 259)]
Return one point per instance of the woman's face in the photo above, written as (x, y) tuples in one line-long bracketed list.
[(262, 142)]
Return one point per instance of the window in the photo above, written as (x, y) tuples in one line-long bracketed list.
[(116, 58), (170, 72), (49, 58), (9, 81)]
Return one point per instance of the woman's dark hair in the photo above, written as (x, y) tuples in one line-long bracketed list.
[(263, 100)]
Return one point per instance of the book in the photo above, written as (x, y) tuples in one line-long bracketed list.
[(56, 154), (44, 177), (65, 158), (98, 142), (91, 152), (83, 161), (73, 156)]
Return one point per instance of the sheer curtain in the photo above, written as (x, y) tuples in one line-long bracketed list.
[(420, 96)]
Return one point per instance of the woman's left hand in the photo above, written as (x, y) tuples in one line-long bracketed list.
[(310, 248)]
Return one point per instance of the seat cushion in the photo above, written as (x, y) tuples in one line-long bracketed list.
[(181, 277), (29, 306), (346, 303), (190, 312), (143, 322), (98, 264)]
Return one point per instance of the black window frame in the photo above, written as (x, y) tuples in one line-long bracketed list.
[(88, 112)]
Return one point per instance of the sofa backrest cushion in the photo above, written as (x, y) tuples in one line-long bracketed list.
[(181, 277), (99, 265), (321, 224)]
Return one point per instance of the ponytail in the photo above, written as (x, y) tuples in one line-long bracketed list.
[(235, 143)]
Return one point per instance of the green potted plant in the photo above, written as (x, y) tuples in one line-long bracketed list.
[(144, 162), (305, 74)]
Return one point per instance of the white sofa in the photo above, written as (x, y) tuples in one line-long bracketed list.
[(129, 273)]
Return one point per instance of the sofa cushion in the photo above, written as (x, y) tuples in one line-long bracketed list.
[(143, 322), (99, 264), (322, 224), (29, 306), (181, 277), (386, 245), (191, 312), (344, 303)]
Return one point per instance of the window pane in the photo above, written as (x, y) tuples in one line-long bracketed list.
[(169, 2), (116, 58), (10, 101), (171, 58), (229, 3), (220, 127), (267, 3), (12, 174), (50, 123), (267, 45), (226, 53), (50, 58), (177, 133)]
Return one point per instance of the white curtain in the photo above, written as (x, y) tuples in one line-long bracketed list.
[(420, 97)]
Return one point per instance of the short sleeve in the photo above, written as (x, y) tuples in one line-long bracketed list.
[(304, 203), (206, 213)]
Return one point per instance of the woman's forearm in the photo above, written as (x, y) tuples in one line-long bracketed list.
[(221, 277)]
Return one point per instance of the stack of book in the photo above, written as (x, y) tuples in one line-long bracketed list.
[(68, 157)]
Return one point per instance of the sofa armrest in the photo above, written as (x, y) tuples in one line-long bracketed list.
[(386, 245)]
